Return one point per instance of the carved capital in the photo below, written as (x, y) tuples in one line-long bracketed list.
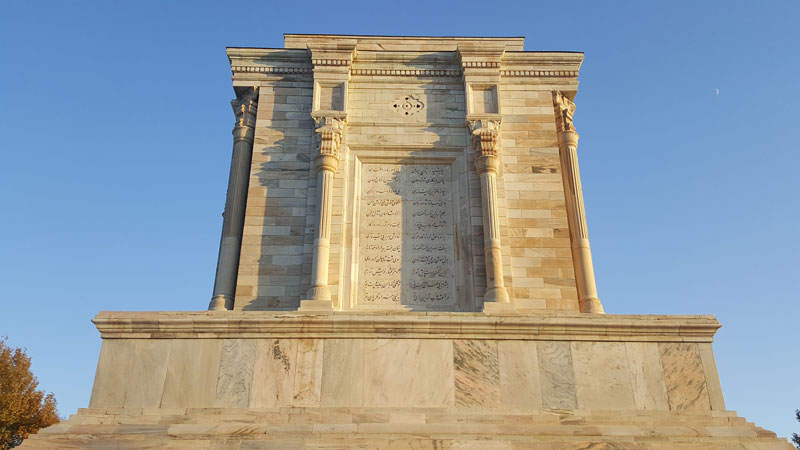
[(484, 136), (329, 136), (565, 109), (245, 107)]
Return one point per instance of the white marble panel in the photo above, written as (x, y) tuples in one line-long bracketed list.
[(308, 372), (192, 371), (112, 373), (147, 373), (408, 372), (647, 376), (519, 375), (343, 372), (273, 373), (602, 378)]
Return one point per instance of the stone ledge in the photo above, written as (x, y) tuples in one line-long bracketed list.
[(409, 325), (398, 428)]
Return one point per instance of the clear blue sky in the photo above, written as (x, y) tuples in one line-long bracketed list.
[(115, 147)]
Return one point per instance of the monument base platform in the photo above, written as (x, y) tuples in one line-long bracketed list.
[(403, 428), (330, 380)]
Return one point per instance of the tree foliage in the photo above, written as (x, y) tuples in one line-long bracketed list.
[(795, 436), (23, 409)]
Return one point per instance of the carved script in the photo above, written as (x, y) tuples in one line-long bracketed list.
[(406, 236)]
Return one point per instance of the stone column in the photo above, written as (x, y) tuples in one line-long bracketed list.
[(244, 107), (484, 140), (573, 193), (329, 134)]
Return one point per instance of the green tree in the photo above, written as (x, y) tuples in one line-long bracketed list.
[(795, 437), (23, 409)]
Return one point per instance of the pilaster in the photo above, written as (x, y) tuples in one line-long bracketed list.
[(481, 67), (331, 76)]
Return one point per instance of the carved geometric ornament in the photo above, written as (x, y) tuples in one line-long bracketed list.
[(407, 105)]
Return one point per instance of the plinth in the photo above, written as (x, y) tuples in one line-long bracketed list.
[(266, 380)]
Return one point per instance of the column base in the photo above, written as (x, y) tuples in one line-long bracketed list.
[(319, 293), (220, 302), (316, 305), (592, 306), (496, 295)]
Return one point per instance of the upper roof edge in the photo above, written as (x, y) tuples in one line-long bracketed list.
[(377, 42)]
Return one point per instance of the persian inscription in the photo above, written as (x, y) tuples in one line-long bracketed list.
[(406, 236)]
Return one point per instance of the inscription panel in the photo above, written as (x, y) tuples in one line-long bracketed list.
[(406, 237)]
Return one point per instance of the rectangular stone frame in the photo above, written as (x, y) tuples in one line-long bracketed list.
[(463, 265)]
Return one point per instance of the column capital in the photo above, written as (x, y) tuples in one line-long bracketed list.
[(245, 107), (329, 133), (565, 109), (485, 133)]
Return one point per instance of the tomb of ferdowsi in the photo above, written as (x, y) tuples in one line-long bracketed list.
[(405, 264)]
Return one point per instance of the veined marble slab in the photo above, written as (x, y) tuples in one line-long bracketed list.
[(408, 372), (684, 377), (235, 373), (477, 373), (556, 375)]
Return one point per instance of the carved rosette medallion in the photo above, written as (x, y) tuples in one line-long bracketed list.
[(407, 105)]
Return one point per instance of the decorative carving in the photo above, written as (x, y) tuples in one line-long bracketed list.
[(406, 236), (565, 109), (484, 136), (330, 62), (245, 107), (329, 135), (408, 72), (407, 105), (539, 73), (480, 64), (270, 69)]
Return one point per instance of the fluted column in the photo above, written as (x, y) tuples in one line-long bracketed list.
[(576, 215), (244, 107), (484, 140), (329, 133)]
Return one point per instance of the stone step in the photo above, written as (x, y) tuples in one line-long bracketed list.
[(340, 428)]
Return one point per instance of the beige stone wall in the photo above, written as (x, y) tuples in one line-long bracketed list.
[(541, 272), (276, 257)]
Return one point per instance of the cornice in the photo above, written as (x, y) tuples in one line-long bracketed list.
[(541, 64), (507, 326), (269, 61), (406, 63)]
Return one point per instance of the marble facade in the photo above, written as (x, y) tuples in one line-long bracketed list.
[(405, 264)]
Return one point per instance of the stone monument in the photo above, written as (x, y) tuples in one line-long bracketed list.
[(405, 264)]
